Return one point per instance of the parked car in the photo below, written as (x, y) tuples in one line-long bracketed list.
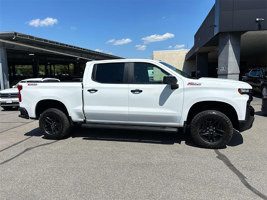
[(256, 78), (144, 95), (9, 97)]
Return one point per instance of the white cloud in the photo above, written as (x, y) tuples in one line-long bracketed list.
[(45, 22), (122, 41), (102, 51), (157, 38), (111, 41), (179, 46), (119, 42), (140, 47), (99, 50)]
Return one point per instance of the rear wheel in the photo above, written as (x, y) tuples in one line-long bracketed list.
[(211, 129), (54, 124)]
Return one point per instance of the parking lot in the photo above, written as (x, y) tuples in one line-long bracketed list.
[(123, 164)]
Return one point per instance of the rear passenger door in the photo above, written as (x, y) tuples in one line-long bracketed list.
[(106, 94)]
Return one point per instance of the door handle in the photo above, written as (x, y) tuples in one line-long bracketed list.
[(92, 90), (136, 91)]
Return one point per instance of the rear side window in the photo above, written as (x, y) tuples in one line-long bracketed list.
[(112, 73)]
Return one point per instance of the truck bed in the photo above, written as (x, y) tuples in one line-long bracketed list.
[(69, 93)]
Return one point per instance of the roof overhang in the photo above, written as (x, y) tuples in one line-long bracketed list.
[(19, 41)]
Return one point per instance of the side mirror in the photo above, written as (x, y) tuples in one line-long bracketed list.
[(172, 81)]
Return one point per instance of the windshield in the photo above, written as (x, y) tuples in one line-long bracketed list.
[(176, 70)]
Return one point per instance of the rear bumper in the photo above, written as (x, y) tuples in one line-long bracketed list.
[(248, 122), (23, 113)]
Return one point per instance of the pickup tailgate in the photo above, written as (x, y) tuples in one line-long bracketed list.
[(69, 94)]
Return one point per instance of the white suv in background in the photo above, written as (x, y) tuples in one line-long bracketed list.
[(9, 97)]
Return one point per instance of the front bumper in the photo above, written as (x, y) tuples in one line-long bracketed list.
[(9, 102), (248, 122), (23, 113)]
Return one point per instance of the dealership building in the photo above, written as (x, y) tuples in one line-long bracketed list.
[(41, 58), (231, 40)]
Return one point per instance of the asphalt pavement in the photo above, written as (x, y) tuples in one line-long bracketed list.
[(123, 164)]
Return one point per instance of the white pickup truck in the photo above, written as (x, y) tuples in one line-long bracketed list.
[(141, 94)]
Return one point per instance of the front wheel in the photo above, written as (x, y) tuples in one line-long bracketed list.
[(54, 124), (211, 129)]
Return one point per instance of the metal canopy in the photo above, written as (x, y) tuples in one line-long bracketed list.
[(38, 55), (22, 42)]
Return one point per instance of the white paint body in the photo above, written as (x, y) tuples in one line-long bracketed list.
[(157, 105)]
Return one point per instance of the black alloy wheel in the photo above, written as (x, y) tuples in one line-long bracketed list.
[(54, 124), (211, 129)]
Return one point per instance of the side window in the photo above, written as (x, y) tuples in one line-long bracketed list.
[(146, 73), (111, 73)]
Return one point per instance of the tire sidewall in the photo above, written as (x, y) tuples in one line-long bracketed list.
[(211, 114), (64, 122)]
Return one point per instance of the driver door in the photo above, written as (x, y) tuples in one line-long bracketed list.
[(151, 102)]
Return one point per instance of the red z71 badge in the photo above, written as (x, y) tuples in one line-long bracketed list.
[(194, 84)]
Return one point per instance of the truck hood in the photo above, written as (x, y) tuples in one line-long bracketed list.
[(10, 90), (217, 82)]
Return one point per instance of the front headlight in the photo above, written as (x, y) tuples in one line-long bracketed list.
[(245, 91)]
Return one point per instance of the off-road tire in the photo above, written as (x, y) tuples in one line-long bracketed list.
[(54, 124), (211, 129)]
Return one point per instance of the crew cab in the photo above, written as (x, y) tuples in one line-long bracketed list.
[(141, 94)]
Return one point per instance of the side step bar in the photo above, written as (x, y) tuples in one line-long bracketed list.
[(131, 127)]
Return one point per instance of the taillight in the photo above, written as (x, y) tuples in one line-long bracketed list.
[(20, 88)]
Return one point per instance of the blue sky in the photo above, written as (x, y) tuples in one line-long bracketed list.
[(125, 28)]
